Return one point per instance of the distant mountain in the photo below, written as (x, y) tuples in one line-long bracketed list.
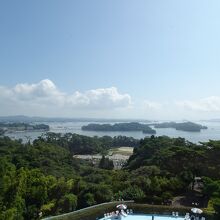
[(27, 119), (212, 120), (23, 119), (15, 118)]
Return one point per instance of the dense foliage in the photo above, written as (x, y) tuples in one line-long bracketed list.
[(184, 126), (80, 144), (43, 177), (132, 126), (2, 131), (106, 163)]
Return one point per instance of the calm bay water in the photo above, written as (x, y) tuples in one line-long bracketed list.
[(212, 133)]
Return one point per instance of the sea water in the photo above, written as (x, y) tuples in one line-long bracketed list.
[(212, 133)]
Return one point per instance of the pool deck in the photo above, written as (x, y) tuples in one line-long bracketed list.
[(147, 217)]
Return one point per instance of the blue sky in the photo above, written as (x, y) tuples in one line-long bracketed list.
[(163, 54)]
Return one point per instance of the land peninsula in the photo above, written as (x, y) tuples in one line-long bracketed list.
[(14, 127)]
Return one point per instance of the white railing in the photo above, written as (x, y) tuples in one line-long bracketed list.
[(87, 208)]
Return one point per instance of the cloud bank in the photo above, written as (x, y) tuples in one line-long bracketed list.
[(209, 104), (45, 97)]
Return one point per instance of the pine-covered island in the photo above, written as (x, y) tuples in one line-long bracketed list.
[(182, 126), (131, 126)]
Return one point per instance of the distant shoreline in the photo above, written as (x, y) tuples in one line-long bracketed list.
[(6, 128)]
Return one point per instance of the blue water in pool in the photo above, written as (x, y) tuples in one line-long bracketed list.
[(147, 217)]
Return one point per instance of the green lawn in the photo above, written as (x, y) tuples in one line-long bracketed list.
[(126, 151)]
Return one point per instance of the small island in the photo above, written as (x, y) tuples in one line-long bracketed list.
[(13, 127), (183, 126), (132, 126)]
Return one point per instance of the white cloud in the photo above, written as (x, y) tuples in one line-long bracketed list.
[(209, 104), (150, 105), (46, 98), (204, 108), (100, 98)]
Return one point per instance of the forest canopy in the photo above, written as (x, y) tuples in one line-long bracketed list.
[(44, 177)]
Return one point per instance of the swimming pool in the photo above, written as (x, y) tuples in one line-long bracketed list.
[(147, 217)]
